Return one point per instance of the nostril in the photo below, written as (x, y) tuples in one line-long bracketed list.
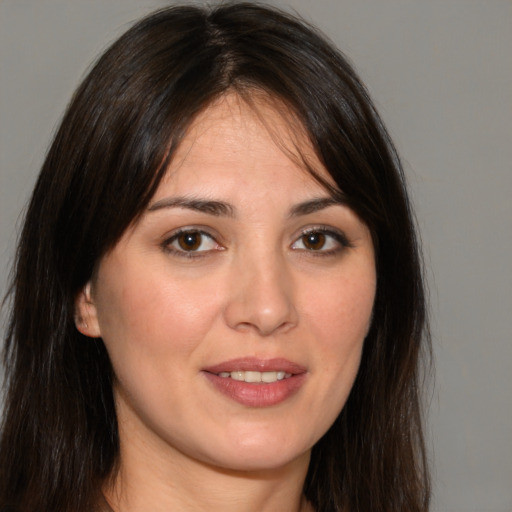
[(244, 318), (261, 298)]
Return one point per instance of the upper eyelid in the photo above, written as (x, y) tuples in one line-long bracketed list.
[(337, 233), (168, 242), (192, 229)]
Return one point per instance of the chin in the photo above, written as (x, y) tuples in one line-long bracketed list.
[(259, 456)]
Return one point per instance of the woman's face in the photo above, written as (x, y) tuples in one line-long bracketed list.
[(234, 311)]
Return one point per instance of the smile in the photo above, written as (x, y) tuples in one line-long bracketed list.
[(255, 382), (255, 377)]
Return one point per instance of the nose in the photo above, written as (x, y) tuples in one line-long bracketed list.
[(261, 297)]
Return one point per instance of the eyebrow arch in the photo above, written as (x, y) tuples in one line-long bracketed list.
[(313, 205), (217, 208)]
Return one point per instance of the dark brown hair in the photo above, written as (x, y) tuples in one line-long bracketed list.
[(59, 438)]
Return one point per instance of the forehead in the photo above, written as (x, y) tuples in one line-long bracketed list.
[(251, 134)]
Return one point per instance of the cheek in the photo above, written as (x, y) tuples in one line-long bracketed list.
[(145, 314), (342, 313), (341, 318)]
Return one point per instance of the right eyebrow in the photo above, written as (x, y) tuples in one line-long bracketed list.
[(217, 208)]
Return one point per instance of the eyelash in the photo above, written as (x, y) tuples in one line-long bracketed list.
[(339, 238), (167, 244)]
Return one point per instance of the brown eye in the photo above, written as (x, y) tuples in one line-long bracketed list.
[(314, 240), (321, 242), (190, 241)]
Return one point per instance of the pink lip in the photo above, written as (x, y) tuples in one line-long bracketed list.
[(260, 394), (255, 364)]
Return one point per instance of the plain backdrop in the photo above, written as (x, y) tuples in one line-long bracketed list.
[(440, 72)]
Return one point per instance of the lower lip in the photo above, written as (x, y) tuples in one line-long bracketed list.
[(259, 394)]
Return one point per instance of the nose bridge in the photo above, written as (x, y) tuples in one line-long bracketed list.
[(261, 296)]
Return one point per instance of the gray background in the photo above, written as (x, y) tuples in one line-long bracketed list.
[(440, 72)]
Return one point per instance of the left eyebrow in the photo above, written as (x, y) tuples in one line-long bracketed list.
[(313, 205)]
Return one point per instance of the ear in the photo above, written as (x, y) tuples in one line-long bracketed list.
[(86, 316)]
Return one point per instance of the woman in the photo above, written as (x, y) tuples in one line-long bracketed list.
[(217, 300)]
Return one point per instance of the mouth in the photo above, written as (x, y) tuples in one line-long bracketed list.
[(257, 382), (255, 377), (255, 370)]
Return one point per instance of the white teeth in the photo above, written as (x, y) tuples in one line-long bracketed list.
[(269, 376), (252, 376)]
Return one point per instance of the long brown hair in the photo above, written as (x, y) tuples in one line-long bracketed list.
[(59, 438)]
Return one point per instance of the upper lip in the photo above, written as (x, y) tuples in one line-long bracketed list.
[(255, 364)]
